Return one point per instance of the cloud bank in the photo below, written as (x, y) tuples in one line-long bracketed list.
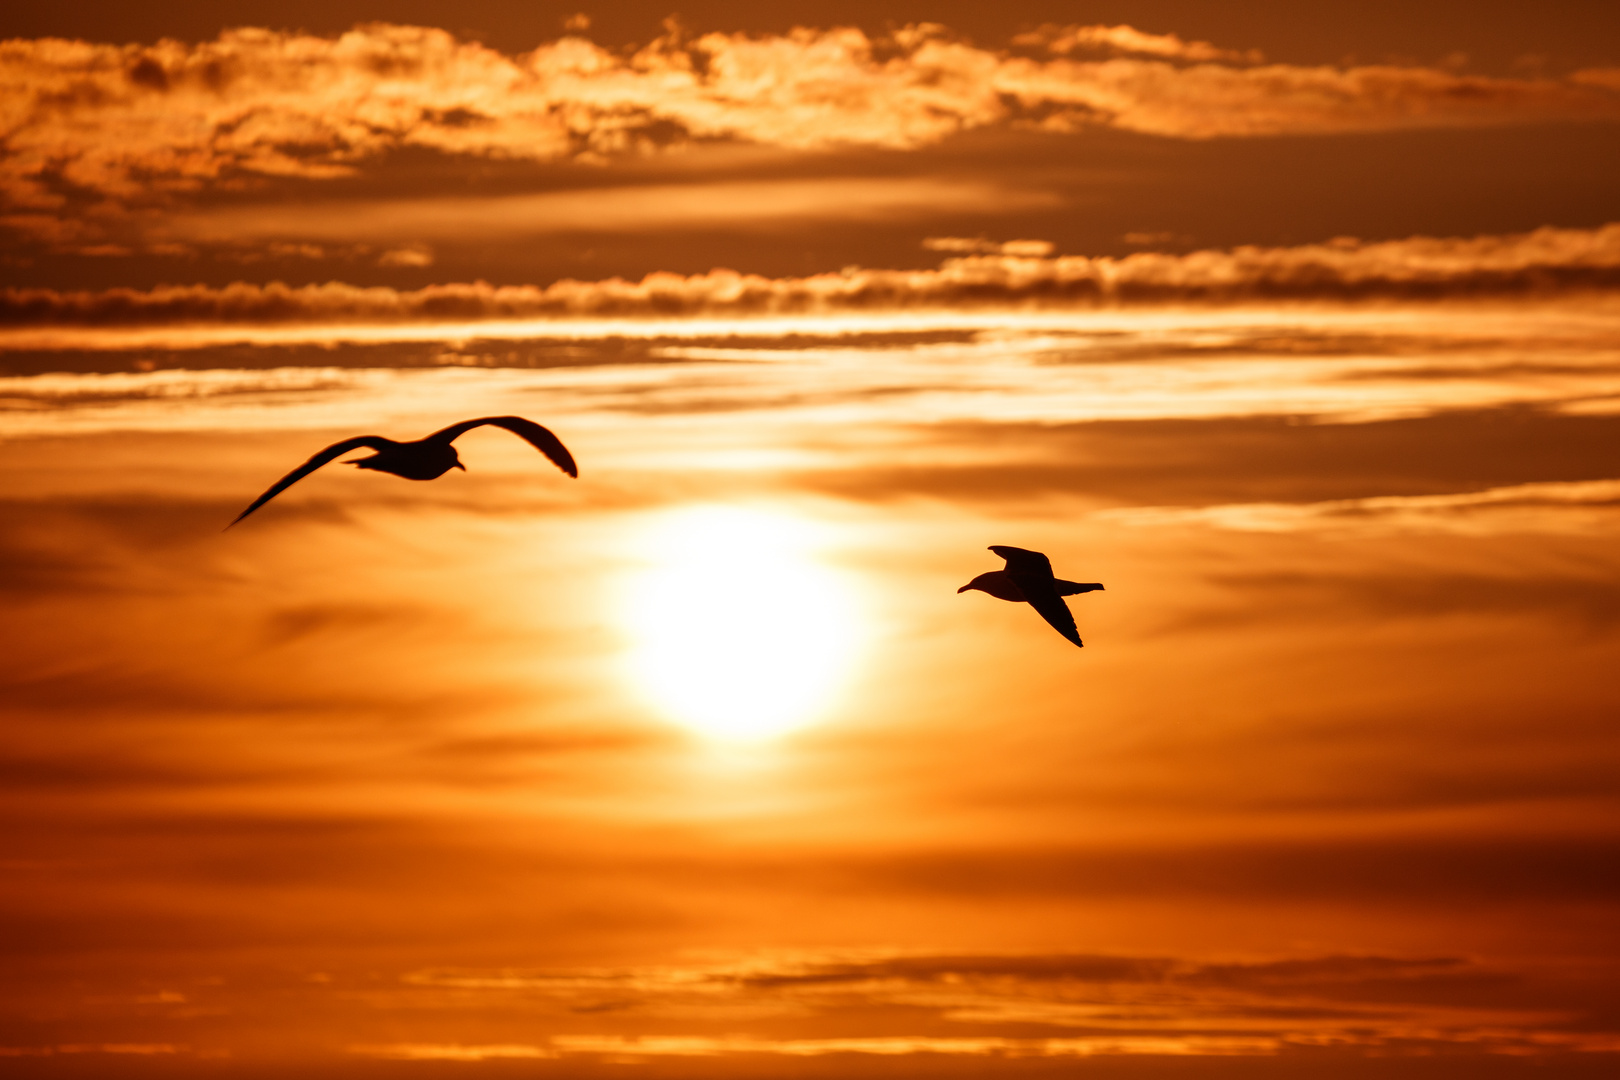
[(1067, 1005), (1540, 263), (105, 127)]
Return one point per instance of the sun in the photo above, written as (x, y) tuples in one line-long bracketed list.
[(739, 632)]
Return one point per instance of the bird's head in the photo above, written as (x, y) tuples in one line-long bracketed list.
[(997, 584), (455, 459), (981, 581)]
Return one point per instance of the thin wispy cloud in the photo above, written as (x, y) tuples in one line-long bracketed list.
[(1042, 381), (1077, 1005), (1587, 506), (77, 1049), (965, 245), (638, 209), (98, 129), (1067, 40)]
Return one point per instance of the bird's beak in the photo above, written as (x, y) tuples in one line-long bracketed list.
[(460, 466), (965, 588)]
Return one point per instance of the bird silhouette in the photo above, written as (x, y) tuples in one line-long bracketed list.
[(1028, 579), (423, 459)]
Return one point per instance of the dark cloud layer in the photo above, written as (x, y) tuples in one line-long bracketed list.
[(1255, 459), (1431, 871), (123, 124)]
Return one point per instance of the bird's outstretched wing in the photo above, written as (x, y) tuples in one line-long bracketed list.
[(536, 436), (1073, 588), (1045, 599), (336, 450)]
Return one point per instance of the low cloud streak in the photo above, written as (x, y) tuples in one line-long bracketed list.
[(773, 204), (1066, 1005), (1544, 262)]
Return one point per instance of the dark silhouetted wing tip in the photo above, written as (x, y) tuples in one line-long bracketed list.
[(536, 435), (1071, 635), (316, 460)]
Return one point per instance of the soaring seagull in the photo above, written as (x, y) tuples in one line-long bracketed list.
[(1028, 578), (424, 459)]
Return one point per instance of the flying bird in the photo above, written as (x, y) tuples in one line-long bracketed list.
[(424, 459), (1028, 579)]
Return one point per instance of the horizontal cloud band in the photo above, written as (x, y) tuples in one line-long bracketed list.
[(123, 124), (1544, 262)]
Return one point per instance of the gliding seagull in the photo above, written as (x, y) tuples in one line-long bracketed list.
[(423, 459), (1028, 579)]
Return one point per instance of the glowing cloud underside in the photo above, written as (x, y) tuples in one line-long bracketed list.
[(738, 632)]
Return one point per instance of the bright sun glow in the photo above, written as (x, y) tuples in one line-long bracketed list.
[(739, 632)]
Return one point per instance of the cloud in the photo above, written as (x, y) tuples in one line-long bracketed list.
[(962, 245), (58, 391), (450, 1051), (1544, 262), (1214, 100), (1129, 41), (1057, 1005), (1588, 602), (637, 1047), (93, 130), (933, 969), (414, 256), (631, 208), (1573, 506), (137, 1049), (891, 974)]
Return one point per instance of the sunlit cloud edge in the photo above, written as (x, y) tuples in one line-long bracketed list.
[(1548, 263)]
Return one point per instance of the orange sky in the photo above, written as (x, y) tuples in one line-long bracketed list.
[(699, 765)]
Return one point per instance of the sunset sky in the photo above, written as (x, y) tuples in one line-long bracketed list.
[(1297, 326)]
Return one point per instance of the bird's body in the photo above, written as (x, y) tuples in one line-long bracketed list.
[(414, 461), (1001, 586), (424, 459), (1028, 579)]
